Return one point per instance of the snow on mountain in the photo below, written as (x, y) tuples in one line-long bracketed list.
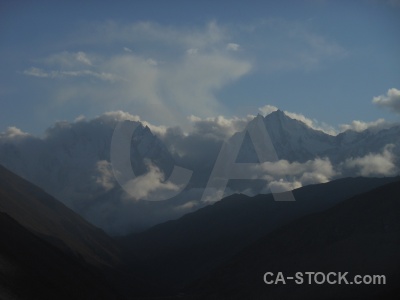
[(72, 163), (294, 141)]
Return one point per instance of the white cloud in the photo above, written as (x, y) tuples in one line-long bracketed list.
[(188, 206), (13, 132), (152, 62), (219, 127), (361, 126), (80, 118), (279, 186), (150, 33), (147, 81), (150, 186), (314, 124), (391, 100), (267, 109), (104, 175), (378, 164), (192, 51), (37, 72), (68, 59), (284, 176), (79, 150), (232, 47), (83, 58), (120, 115), (313, 171)]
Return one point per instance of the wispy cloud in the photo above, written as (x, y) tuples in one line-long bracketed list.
[(37, 72), (173, 68)]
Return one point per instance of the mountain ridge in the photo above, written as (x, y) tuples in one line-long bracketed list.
[(72, 163), (358, 236), (180, 250)]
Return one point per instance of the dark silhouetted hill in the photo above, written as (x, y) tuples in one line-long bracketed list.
[(32, 268), (179, 251), (49, 252), (360, 235)]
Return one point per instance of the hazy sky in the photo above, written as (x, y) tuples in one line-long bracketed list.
[(167, 60)]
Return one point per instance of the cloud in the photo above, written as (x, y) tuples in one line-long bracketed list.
[(13, 132), (188, 206), (232, 47), (361, 126), (36, 72), (313, 171), (72, 162), (68, 59), (151, 33), (192, 51), (391, 100), (283, 186), (83, 58), (283, 175), (378, 164), (104, 176), (146, 81), (150, 186), (220, 127), (314, 124), (119, 115), (267, 109)]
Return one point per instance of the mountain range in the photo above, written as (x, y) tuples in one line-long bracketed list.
[(218, 252), (72, 163)]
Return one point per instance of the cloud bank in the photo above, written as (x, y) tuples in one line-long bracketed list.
[(72, 162)]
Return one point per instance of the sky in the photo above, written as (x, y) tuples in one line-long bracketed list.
[(172, 62)]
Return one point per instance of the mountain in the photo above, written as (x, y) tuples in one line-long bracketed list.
[(359, 235), (47, 249), (32, 268), (294, 141), (72, 162), (53, 222), (179, 251)]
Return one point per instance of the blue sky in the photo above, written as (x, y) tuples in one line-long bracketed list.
[(167, 60)]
